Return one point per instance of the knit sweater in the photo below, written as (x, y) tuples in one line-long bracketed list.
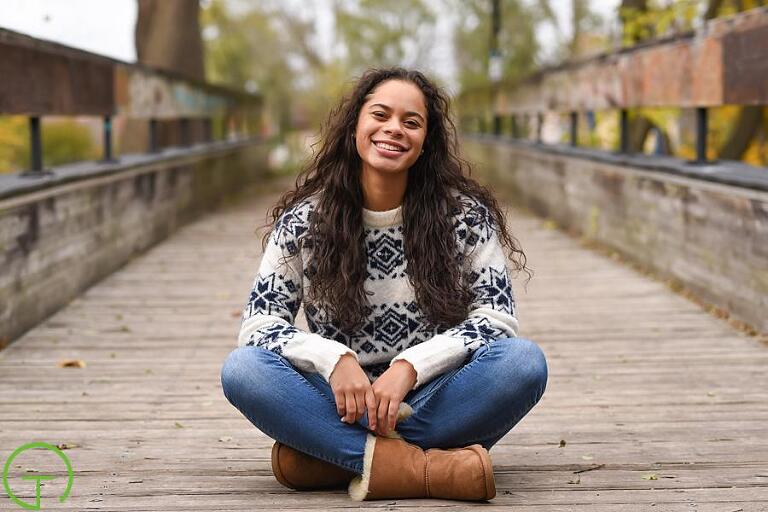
[(395, 328)]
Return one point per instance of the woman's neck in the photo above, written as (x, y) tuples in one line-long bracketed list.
[(382, 191)]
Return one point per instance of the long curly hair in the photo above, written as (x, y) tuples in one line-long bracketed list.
[(336, 235)]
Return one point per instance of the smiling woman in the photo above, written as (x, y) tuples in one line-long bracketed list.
[(398, 258)]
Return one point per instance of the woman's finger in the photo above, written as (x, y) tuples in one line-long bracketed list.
[(341, 403), (394, 405), (370, 401), (351, 407), (360, 403), (381, 417)]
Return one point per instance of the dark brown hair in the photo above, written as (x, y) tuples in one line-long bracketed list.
[(338, 266)]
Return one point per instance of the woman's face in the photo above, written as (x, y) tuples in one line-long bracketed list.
[(391, 127)]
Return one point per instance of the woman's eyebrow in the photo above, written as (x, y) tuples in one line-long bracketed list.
[(387, 108)]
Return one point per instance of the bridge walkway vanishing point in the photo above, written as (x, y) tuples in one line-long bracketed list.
[(652, 404)]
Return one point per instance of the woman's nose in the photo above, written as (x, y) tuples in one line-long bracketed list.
[(393, 128)]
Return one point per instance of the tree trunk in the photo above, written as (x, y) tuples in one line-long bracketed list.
[(168, 36)]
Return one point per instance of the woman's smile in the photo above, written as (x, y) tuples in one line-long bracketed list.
[(390, 149)]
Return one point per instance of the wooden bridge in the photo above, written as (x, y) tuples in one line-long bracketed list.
[(655, 402)]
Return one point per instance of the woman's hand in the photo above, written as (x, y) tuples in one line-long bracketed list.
[(390, 389), (352, 391)]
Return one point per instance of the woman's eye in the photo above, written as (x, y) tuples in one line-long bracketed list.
[(412, 124), (379, 114)]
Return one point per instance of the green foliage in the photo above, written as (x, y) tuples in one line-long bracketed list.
[(517, 41), (658, 19), (64, 141), (13, 142)]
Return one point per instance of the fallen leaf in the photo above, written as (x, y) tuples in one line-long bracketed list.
[(562, 443), (148, 370), (576, 480), (72, 363), (178, 425), (650, 477), (236, 313), (112, 355), (711, 393), (587, 457), (66, 446), (225, 439)]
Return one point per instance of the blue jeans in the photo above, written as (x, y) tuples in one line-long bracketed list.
[(479, 402)]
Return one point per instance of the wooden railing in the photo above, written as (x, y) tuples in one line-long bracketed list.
[(41, 78), (725, 62)]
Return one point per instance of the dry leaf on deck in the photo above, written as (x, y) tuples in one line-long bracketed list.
[(72, 363)]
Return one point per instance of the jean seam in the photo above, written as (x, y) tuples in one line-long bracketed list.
[(315, 390)]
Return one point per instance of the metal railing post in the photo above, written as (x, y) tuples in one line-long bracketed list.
[(539, 126), (513, 121), (35, 146), (184, 129), (623, 131), (574, 128), (108, 139), (153, 146), (496, 124), (701, 135)]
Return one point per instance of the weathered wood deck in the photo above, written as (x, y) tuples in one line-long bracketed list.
[(651, 403)]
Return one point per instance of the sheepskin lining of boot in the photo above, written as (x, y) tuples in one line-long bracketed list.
[(358, 487)]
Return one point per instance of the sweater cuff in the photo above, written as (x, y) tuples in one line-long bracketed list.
[(317, 354), (433, 357)]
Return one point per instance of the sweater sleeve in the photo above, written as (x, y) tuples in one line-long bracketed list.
[(268, 317), (491, 312)]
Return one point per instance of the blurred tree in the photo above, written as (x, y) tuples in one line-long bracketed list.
[(274, 48), (168, 37), (517, 41)]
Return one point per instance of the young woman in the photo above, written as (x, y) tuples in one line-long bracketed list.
[(397, 255)]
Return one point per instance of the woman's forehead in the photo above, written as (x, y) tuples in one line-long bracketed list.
[(398, 94)]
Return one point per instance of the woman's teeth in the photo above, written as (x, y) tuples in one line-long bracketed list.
[(388, 147)]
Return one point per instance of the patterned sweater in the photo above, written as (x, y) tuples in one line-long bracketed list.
[(395, 328)]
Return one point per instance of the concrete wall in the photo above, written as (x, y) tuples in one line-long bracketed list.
[(57, 241), (710, 236)]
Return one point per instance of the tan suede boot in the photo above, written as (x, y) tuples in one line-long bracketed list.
[(297, 470), (394, 468)]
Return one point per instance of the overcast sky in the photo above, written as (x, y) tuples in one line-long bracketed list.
[(106, 26)]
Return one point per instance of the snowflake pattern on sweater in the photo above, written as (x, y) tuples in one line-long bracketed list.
[(395, 327)]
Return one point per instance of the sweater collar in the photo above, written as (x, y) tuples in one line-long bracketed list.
[(383, 219)]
